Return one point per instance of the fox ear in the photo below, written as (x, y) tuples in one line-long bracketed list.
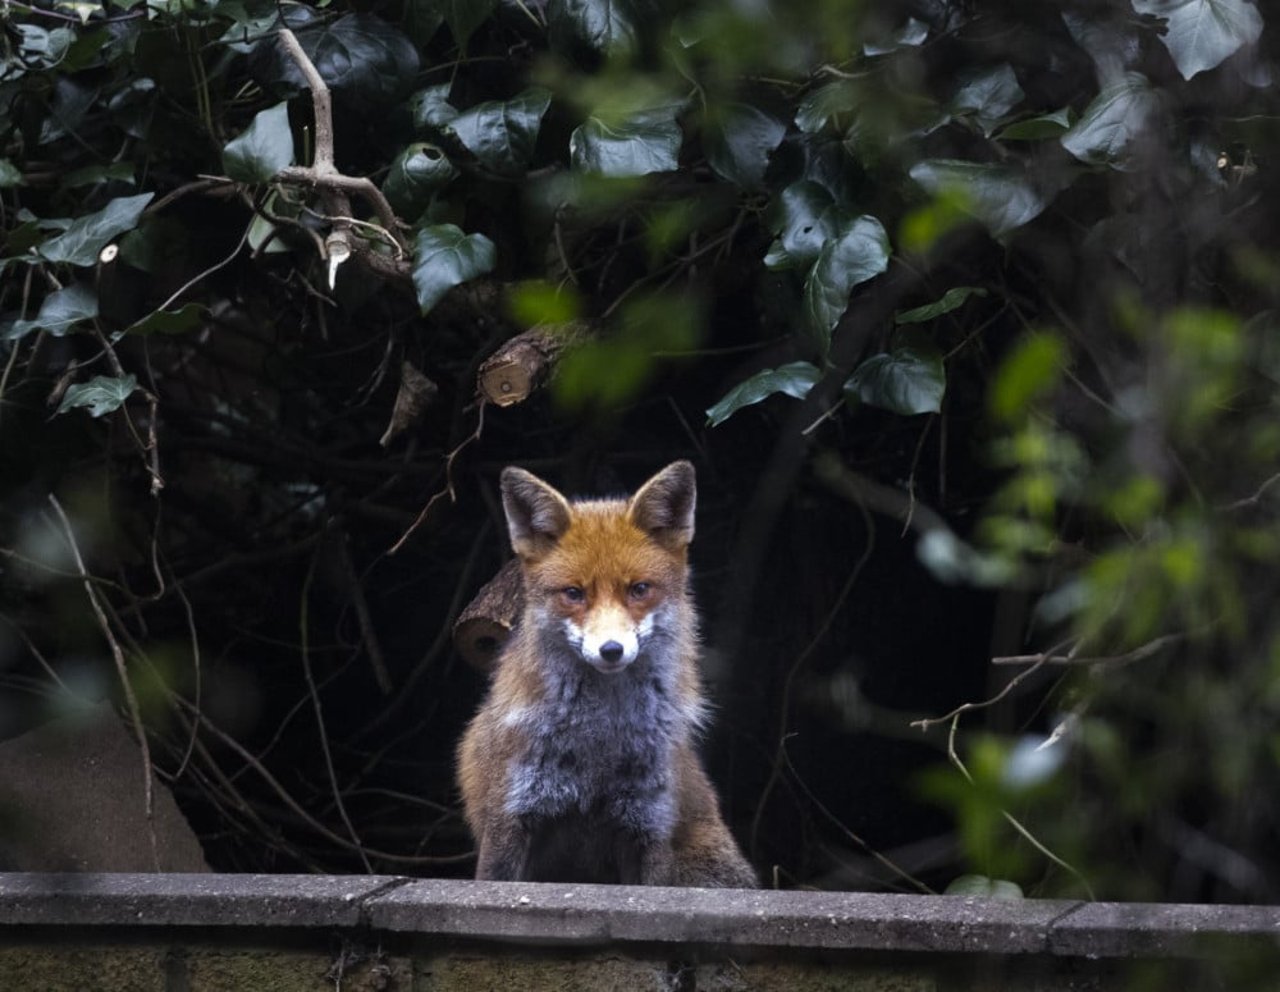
[(664, 506), (537, 515)]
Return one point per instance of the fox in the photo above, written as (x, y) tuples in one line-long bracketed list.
[(580, 765)]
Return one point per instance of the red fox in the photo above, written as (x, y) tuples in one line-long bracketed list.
[(579, 766)]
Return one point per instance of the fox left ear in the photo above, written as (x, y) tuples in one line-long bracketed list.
[(664, 506)]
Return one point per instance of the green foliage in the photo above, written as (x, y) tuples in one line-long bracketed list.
[(857, 251), (1059, 224), (794, 379), (501, 134), (907, 380), (444, 256), (84, 237), (100, 395), (263, 150), (640, 144)]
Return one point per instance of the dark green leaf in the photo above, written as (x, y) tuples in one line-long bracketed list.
[(101, 394), (247, 33), (71, 104), (1110, 125), (952, 299), (985, 888), (794, 379), (431, 110), (422, 19), (59, 313), (857, 253), (462, 16), (1035, 128), (262, 150), (10, 175), (363, 59), (738, 142), (987, 94), (415, 175), (186, 318), (642, 143), (444, 257), (906, 380), (1001, 196), (821, 105), (910, 35), (602, 25), (1200, 34), (91, 175), (80, 243), (806, 218), (501, 134)]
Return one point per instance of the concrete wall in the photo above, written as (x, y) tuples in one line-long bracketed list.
[(216, 933)]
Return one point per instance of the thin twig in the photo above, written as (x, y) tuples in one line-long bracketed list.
[(448, 481), (1012, 820), (305, 649), (784, 705), (367, 632), (117, 654), (1040, 661), (1137, 654), (902, 873)]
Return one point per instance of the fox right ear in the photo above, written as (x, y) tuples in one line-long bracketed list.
[(537, 515)]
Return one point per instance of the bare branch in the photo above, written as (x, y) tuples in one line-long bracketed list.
[(117, 654), (1137, 654)]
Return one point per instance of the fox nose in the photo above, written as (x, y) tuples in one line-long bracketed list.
[(611, 651)]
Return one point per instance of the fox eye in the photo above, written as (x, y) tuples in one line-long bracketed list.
[(639, 590), (574, 594)]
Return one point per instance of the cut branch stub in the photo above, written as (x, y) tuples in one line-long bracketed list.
[(514, 371), (486, 624)]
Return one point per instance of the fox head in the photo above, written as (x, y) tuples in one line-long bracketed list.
[(607, 576)]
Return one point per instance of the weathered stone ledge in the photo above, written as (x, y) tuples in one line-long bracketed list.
[(592, 915)]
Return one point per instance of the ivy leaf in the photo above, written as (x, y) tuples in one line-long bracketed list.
[(363, 59), (430, 109), (601, 25), (987, 95), (186, 318), (86, 236), (464, 16), (415, 175), (859, 252), (739, 141), (642, 143), (501, 134), (906, 381), (794, 379), (1038, 127), (1201, 34), (821, 105), (101, 394), (444, 257), (10, 175), (60, 311), (263, 149), (984, 887), (1109, 126), (910, 35), (1000, 196), (952, 299), (805, 219)]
